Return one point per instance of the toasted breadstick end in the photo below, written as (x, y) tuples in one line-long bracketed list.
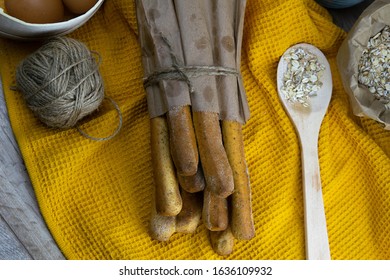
[(215, 211), (167, 193), (194, 183), (188, 220), (216, 167), (222, 242), (161, 228), (184, 150), (241, 206)]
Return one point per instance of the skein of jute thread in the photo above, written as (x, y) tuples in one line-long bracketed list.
[(61, 84)]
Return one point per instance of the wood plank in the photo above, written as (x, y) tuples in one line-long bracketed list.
[(22, 225), (11, 248), (346, 18)]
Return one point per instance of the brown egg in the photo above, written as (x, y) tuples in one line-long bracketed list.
[(35, 11), (79, 6)]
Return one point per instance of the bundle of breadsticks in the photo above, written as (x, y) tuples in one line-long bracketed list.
[(197, 106)]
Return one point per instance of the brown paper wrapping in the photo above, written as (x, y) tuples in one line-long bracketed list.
[(370, 22), (200, 42)]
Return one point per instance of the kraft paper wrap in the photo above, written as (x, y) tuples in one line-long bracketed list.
[(200, 42), (370, 22)]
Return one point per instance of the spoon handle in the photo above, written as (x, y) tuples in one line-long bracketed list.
[(317, 244)]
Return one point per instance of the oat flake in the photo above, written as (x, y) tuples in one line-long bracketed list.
[(373, 68)]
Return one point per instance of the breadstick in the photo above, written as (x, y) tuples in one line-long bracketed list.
[(161, 227), (241, 205), (189, 218), (167, 193), (194, 183), (182, 141), (215, 211), (216, 167), (222, 242)]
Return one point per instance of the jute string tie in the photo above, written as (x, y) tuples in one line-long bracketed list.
[(179, 72)]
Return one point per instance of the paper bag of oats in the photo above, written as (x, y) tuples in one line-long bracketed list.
[(363, 61), (191, 52)]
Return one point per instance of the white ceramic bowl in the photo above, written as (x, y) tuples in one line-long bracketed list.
[(13, 28)]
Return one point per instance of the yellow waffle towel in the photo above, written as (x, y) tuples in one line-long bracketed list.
[(96, 196)]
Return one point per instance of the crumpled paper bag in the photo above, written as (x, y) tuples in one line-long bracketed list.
[(363, 102)]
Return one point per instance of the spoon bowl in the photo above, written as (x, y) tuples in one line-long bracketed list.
[(307, 121)]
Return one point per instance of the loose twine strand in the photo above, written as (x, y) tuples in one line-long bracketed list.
[(120, 123), (61, 84)]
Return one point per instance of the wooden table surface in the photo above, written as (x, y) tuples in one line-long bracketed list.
[(23, 232)]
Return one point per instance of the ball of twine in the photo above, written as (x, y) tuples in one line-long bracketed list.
[(61, 82)]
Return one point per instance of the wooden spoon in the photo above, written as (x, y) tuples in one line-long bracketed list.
[(307, 122)]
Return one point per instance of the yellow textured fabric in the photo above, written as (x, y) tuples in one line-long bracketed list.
[(96, 196)]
